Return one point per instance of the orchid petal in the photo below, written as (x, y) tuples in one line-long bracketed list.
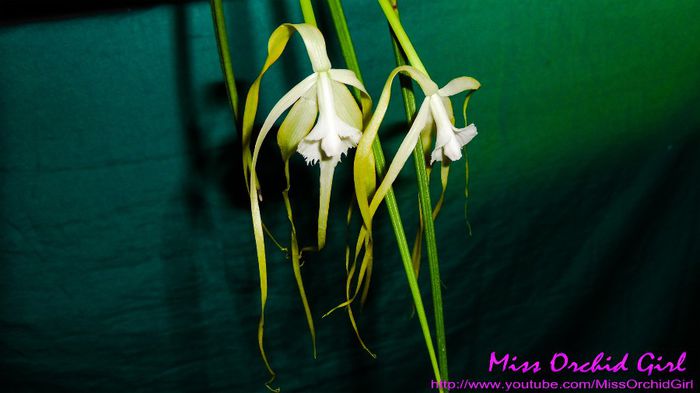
[(347, 77), (466, 134), (427, 136), (315, 46), (317, 132), (436, 155), (296, 258), (325, 182), (331, 145), (345, 105), (364, 162), (405, 149), (249, 170), (311, 150), (448, 108), (452, 150), (426, 84), (296, 125), (458, 85), (285, 102), (442, 120)]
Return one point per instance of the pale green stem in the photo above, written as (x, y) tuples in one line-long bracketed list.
[(392, 16), (390, 199), (391, 12), (307, 10), (217, 12)]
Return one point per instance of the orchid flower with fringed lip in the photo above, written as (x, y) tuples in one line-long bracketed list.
[(450, 139), (332, 136), (435, 113), (324, 122)]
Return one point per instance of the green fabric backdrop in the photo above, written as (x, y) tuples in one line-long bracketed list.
[(127, 261)]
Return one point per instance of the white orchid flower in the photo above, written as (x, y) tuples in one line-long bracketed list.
[(332, 136), (450, 139), (434, 113), (324, 122), (327, 121)]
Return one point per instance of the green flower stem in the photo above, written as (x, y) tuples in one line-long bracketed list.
[(391, 12), (392, 16), (217, 13), (390, 199), (307, 10), (346, 46)]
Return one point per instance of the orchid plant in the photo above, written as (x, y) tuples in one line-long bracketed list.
[(324, 121)]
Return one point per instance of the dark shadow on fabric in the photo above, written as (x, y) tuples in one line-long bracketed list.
[(288, 64), (621, 258), (18, 12), (226, 165), (325, 24), (220, 168), (616, 265), (182, 224)]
